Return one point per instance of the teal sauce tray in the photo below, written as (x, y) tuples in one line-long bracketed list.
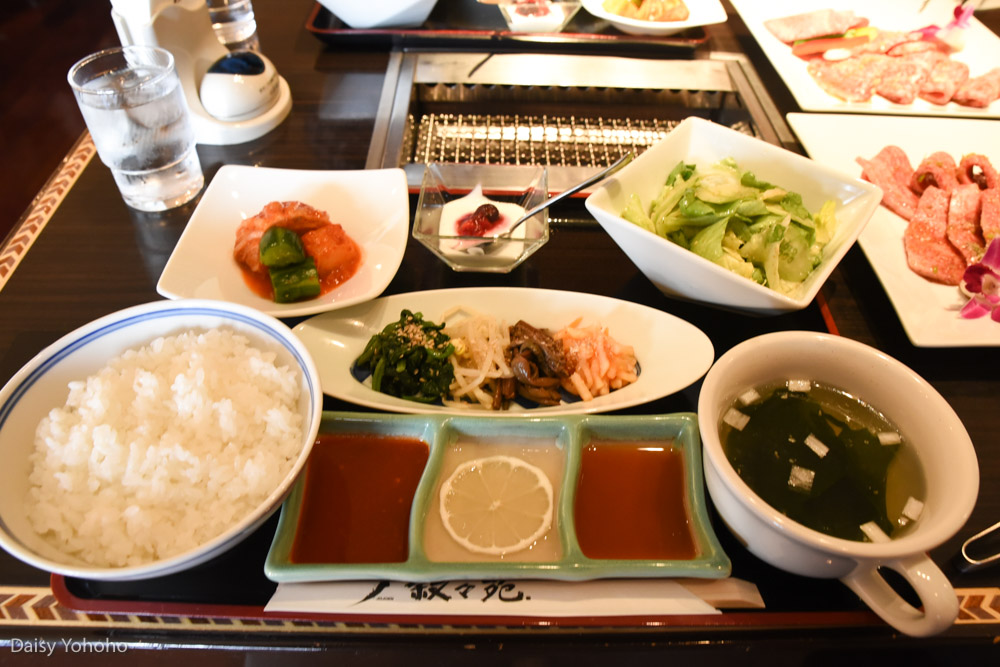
[(625, 458)]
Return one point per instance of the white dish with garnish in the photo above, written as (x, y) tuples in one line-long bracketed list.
[(671, 352), (372, 206)]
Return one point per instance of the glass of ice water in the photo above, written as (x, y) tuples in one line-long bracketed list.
[(134, 106), (234, 23)]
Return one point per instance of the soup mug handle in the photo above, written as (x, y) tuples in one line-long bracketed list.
[(940, 603)]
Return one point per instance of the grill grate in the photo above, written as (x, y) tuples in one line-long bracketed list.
[(569, 113), (563, 141)]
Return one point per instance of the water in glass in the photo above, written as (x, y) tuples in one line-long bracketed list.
[(140, 124)]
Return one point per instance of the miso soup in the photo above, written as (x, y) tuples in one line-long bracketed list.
[(825, 459)]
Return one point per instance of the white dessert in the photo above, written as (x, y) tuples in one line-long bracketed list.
[(552, 21), (457, 209)]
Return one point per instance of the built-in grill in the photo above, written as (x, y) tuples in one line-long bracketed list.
[(571, 113)]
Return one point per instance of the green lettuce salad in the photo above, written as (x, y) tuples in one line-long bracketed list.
[(753, 228)]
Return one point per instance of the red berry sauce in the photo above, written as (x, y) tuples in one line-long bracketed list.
[(481, 221)]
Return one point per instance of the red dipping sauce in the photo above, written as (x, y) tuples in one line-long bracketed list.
[(357, 498), (630, 502)]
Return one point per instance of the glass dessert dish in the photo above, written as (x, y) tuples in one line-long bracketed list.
[(464, 212), (538, 15)]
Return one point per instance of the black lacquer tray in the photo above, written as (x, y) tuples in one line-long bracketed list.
[(466, 24)]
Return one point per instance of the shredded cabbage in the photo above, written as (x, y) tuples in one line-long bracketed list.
[(728, 216)]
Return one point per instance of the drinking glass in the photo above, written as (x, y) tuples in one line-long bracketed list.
[(234, 23), (134, 106)]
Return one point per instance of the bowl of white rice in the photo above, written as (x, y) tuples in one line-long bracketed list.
[(153, 439)]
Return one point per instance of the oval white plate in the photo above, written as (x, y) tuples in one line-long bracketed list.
[(672, 353), (372, 205), (701, 12)]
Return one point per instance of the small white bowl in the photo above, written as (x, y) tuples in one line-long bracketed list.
[(681, 273), (41, 385), (929, 426), (702, 12), (380, 13)]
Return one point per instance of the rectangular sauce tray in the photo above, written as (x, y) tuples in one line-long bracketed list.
[(627, 499)]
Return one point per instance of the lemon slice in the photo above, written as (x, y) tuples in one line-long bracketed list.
[(497, 504)]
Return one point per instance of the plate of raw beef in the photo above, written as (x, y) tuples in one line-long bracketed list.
[(919, 243), (892, 66)]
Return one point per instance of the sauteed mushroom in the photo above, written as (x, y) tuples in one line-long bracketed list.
[(538, 362)]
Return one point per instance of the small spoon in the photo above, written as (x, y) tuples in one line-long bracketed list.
[(493, 241)]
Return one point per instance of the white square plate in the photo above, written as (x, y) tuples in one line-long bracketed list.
[(981, 52), (702, 12), (928, 311), (372, 206)]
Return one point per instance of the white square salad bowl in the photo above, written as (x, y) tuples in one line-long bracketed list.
[(680, 273)]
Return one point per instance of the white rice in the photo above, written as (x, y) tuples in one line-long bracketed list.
[(164, 448)]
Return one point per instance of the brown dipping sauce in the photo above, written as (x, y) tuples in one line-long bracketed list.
[(630, 502), (357, 498)]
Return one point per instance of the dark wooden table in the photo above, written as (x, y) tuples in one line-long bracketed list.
[(90, 255)]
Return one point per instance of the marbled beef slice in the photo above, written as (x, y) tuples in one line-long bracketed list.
[(979, 91), (989, 215), (890, 170), (938, 169), (963, 222), (943, 81), (977, 168), (928, 251), (852, 80), (901, 81), (817, 23)]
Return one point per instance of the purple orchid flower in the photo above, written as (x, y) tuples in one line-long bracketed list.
[(982, 283), (952, 34)]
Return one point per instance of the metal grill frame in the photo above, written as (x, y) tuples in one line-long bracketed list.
[(572, 145)]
